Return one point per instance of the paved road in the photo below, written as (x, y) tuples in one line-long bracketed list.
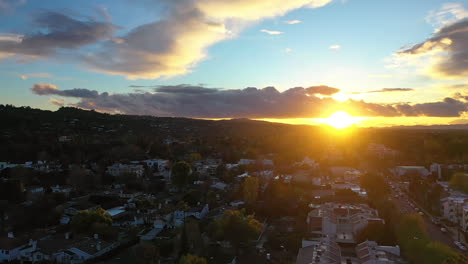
[(434, 230)]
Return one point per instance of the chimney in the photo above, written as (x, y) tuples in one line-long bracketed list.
[(98, 246), (31, 241), (67, 235), (96, 236), (11, 235)]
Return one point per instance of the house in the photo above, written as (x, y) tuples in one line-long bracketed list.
[(62, 189), (219, 185), (381, 151), (323, 251), (246, 161), (369, 252), (307, 162), (64, 139), (116, 211), (158, 227), (84, 250), (327, 251), (341, 221), (455, 210), (197, 212), (404, 171), (5, 165), (13, 248), (117, 170), (267, 162), (436, 169)]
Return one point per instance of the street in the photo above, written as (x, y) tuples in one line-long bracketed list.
[(409, 207)]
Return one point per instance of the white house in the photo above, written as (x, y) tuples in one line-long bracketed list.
[(341, 221), (455, 210), (121, 169), (369, 252), (404, 170), (323, 251), (246, 161), (12, 248)]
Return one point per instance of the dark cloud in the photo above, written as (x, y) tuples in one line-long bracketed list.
[(449, 107), (143, 86), (7, 6), (458, 86), (184, 89), (386, 90), (50, 89), (54, 31), (322, 89), (198, 101), (453, 41), (461, 96)]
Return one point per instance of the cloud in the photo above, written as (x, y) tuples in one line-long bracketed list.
[(271, 32), (184, 89), (104, 13), (442, 56), (174, 44), (322, 89), (461, 96), (51, 89), (381, 76), (201, 102), (143, 86), (449, 107), (55, 32), (57, 101), (288, 50), (386, 90), (335, 47), (35, 75), (446, 15), (292, 22), (458, 86), (7, 6)]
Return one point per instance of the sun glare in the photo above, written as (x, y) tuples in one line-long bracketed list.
[(340, 120)]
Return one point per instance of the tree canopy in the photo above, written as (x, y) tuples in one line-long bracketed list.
[(191, 259), (237, 227), (86, 221), (180, 173)]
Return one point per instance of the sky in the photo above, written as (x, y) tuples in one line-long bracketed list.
[(389, 63)]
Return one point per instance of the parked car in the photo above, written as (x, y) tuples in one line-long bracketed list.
[(460, 246), (443, 230)]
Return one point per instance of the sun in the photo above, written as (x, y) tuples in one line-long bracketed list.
[(340, 120)]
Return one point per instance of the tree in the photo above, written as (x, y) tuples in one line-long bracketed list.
[(180, 173), (250, 189), (381, 233), (191, 259), (237, 227), (460, 182), (91, 221)]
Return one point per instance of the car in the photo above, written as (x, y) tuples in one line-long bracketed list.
[(421, 213), (443, 230), (460, 245)]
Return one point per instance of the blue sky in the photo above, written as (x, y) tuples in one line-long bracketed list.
[(369, 33)]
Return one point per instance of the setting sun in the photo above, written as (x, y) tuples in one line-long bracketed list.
[(340, 120)]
